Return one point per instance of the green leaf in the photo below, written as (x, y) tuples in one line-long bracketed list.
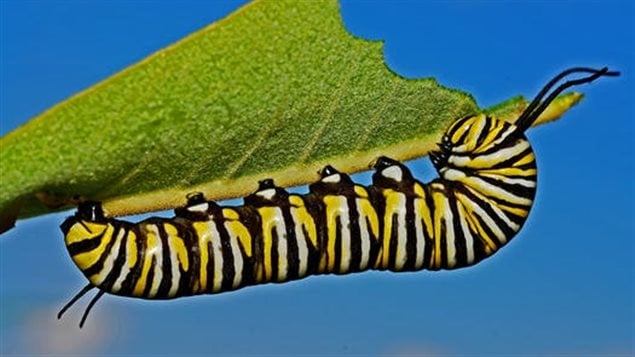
[(277, 89)]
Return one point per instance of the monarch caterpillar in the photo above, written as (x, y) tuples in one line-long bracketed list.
[(480, 201)]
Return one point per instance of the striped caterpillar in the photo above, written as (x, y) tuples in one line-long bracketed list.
[(478, 204)]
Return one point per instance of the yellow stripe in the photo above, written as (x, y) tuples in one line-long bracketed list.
[(131, 249), (176, 242), (509, 171), (517, 211), (78, 232), (152, 245), (230, 214), (475, 226), (422, 210), (203, 234), (304, 218), (333, 204), (85, 260), (236, 228), (368, 212), (360, 191), (440, 205), (269, 222), (525, 159), (496, 129), (392, 198)]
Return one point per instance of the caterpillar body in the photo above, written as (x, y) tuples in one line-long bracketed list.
[(481, 200)]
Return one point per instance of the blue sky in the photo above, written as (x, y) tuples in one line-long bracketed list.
[(563, 286)]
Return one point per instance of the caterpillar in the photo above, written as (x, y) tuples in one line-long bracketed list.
[(481, 199)]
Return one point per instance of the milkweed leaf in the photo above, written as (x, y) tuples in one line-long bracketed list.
[(277, 89)]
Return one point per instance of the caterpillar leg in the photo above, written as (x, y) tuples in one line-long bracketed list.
[(78, 296)]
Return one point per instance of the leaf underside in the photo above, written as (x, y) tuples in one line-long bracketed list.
[(277, 89)]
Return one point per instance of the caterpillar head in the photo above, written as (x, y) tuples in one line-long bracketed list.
[(479, 142)]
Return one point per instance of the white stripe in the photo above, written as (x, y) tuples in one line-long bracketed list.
[(158, 267), (303, 251), (464, 147), (176, 272), (345, 246), (125, 269), (512, 181), (421, 241), (217, 256), (364, 230), (514, 226), (268, 193), (201, 207), (402, 233), (110, 259), (238, 257), (490, 159), (469, 239), (487, 219), (450, 235), (283, 243), (393, 172), (487, 189), (332, 178)]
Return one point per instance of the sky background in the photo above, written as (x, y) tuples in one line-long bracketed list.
[(563, 286)]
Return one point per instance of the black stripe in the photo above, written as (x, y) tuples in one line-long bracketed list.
[(85, 245), (248, 262), (315, 207), (461, 139), (510, 141), (488, 211), (484, 132), (378, 202), (146, 290), (99, 264), (487, 207), (166, 266), (526, 177), (250, 218), (394, 237), (190, 277), (140, 242), (509, 162), (210, 266), (293, 262), (499, 201), (356, 235), (515, 189), (337, 258), (118, 264), (459, 235), (411, 234), (228, 257), (429, 246), (375, 247), (478, 244), (274, 254), (519, 220), (444, 243), (312, 256)]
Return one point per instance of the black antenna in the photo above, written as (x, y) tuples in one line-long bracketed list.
[(81, 293), (537, 106), (90, 306)]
